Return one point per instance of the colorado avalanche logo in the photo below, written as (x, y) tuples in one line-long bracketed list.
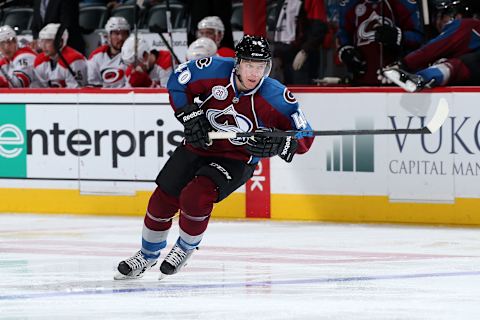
[(203, 63), (112, 75), (229, 120), (366, 30), (288, 96)]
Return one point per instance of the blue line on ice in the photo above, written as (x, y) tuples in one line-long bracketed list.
[(173, 288)]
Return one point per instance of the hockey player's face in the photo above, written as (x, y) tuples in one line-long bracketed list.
[(251, 72), (48, 47), (117, 38), (8, 47)]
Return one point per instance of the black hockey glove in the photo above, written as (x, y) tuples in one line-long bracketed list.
[(264, 147), (353, 60), (196, 125), (390, 36)]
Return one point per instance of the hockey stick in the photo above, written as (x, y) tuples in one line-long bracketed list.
[(441, 114), (135, 32), (383, 24), (168, 14), (58, 48), (157, 29)]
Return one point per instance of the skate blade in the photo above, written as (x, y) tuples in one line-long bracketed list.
[(394, 76), (121, 276), (162, 276)]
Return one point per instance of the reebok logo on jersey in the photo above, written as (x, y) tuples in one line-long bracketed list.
[(192, 115), (221, 169)]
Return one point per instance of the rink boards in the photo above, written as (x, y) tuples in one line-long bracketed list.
[(98, 152)]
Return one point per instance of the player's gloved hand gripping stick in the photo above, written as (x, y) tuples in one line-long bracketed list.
[(266, 146), (196, 125)]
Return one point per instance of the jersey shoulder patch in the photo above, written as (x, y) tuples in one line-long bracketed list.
[(272, 90)]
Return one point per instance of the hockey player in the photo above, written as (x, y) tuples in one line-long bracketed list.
[(450, 58), (212, 27), (51, 70), (201, 48), (240, 97), (105, 65), (16, 63), (147, 69), (373, 34)]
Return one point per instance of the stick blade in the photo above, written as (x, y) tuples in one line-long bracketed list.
[(441, 114)]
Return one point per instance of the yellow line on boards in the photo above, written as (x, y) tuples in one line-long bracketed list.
[(338, 208), (343, 208), (71, 201)]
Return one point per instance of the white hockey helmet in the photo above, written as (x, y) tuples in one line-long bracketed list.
[(128, 49), (7, 33), (117, 23), (212, 22), (201, 48), (49, 32)]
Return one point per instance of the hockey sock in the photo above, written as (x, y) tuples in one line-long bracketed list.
[(158, 220)]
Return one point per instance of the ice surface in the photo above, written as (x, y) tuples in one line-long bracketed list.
[(61, 267)]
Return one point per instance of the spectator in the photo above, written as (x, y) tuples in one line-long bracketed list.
[(212, 27), (146, 68), (51, 70), (299, 32), (16, 64), (199, 9), (201, 48), (58, 11), (455, 53), (105, 65), (375, 33)]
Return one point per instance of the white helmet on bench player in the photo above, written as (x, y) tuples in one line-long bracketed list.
[(201, 48), (7, 33), (117, 23), (50, 31), (128, 50), (212, 22), (207, 24)]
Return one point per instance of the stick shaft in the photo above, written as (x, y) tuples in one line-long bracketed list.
[(233, 135)]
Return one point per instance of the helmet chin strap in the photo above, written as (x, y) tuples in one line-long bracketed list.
[(240, 79)]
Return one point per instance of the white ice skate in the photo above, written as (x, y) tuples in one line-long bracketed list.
[(175, 260), (134, 267), (408, 81)]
